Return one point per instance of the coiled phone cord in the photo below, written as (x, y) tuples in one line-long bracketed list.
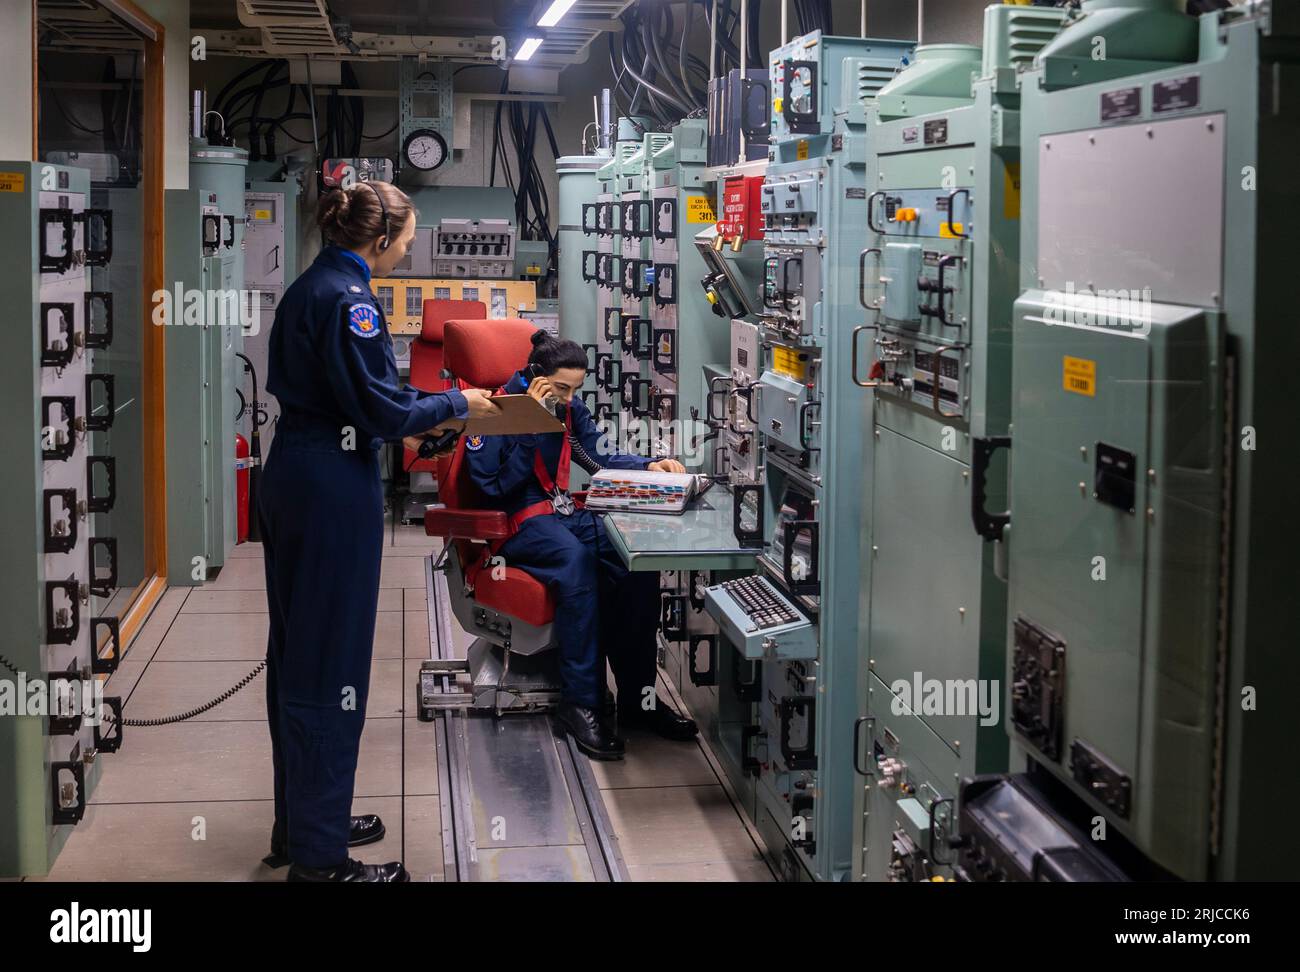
[(168, 720)]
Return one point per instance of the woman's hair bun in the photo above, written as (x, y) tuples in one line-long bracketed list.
[(541, 337), (354, 217)]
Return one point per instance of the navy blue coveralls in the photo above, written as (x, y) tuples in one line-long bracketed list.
[(322, 512), (604, 610)]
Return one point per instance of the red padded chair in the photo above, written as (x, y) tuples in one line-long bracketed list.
[(503, 605), (427, 356)]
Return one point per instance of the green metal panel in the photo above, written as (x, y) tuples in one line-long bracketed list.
[(577, 179), (201, 376), (935, 610), (29, 840), (681, 320), (1206, 380)]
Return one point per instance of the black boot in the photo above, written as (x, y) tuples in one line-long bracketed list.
[(592, 736), (662, 720), (364, 829), (352, 872)]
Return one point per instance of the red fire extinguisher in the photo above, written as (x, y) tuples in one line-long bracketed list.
[(248, 463), (242, 468)]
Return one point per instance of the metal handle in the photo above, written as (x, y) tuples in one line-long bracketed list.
[(101, 255), (987, 525), (805, 756), (871, 209), (100, 423), (947, 220), (862, 277), (790, 530), (785, 279), (748, 539), (944, 264), (594, 275), (98, 340), (671, 207), (664, 364), (714, 392), (229, 241), (611, 312), (101, 502), (665, 271), (60, 263), (857, 740), (853, 362), (804, 442)]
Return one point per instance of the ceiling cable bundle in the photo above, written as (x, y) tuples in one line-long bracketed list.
[(656, 76), (524, 121)]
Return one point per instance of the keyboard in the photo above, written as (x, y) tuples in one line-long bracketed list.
[(765, 608)]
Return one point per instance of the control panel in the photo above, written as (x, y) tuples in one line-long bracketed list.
[(474, 248)]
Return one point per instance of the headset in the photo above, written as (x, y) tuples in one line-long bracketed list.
[(383, 212)]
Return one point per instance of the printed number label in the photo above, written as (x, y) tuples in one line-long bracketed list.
[(699, 209), (1079, 375)]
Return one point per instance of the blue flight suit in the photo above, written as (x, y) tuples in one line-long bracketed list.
[(322, 512), (604, 610)]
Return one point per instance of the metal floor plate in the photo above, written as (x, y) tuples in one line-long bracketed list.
[(519, 803)]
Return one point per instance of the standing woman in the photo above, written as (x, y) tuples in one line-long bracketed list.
[(322, 511)]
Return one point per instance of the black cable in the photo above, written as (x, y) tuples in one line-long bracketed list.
[(217, 102), (375, 138), (72, 121), (168, 720)]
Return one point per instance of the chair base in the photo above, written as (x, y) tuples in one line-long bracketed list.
[(414, 504), (490, 678)]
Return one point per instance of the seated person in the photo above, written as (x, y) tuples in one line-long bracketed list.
[(604, 609)]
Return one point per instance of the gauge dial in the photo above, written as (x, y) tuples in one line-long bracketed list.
[(424, 149)]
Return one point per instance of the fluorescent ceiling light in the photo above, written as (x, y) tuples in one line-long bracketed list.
[(554, 12), (528, 48)]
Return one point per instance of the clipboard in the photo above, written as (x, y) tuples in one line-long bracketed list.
[(520, 415)]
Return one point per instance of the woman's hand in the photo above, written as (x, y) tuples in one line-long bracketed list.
[(667, 465), (413, 442), (539, 389), (480, 403)]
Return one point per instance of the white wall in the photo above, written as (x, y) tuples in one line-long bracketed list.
[(16, 78), (174, 15)]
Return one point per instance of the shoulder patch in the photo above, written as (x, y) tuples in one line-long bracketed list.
[(363, 321), (474, 443)]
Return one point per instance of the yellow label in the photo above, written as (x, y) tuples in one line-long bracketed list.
[(12, 181), (264, 214), (801, 150), (1079, 375), (788, 361), (699, 209), (532, 268), (951, 234), (1011, 191)]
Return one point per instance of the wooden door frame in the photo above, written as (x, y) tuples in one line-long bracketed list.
[(153, 360)]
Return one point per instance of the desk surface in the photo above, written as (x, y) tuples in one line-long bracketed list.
[(699, 539)]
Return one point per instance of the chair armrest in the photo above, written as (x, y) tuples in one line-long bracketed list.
[(466, 524)]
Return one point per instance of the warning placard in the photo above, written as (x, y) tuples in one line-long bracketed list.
[(1079, 375), (699, 209), (13, 181)]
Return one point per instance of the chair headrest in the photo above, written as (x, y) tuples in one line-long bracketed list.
[(485, 354), (436, 313)]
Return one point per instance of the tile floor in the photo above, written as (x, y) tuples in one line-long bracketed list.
[(192, 801)]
